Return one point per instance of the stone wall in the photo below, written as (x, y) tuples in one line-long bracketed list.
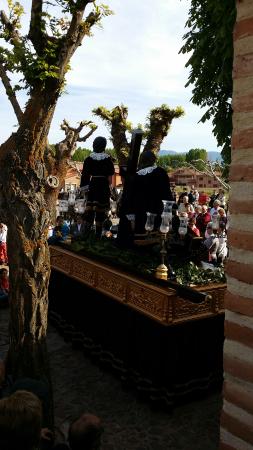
[(237, 414)]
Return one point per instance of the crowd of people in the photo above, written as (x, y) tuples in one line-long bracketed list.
[(206, 217)]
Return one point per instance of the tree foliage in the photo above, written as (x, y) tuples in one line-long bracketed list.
[(194, 156), (171, 161), (209, 40), (80, 154), (158, 124)]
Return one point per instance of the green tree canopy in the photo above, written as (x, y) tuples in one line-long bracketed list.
[(80, 154), (209, 40), (171, 161), (194, 155)]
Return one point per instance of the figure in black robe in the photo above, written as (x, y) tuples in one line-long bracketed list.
[(151, 185), (95, 181)]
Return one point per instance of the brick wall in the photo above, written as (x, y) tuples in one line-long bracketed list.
[(237, 413)]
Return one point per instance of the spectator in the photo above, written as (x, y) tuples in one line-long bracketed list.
[(222, 216), (4, 286), (60, 231), (3, 245), (78, 228), (222, 251), (197, 211), (222, 199), (85, 433), (203, 198), (185, 206), (215, 209), (203, 219), (212, 198), (196, 195), (192, 230), (20, 421), (211, 243)]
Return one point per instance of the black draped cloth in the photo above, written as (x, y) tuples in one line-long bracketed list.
[(149, 188)]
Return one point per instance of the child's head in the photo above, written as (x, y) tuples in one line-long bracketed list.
[(209, 228), (191, 222), (222, 227)]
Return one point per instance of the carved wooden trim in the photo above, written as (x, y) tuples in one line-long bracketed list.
[(160, 303)]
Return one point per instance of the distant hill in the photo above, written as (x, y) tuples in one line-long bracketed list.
[(167, 152), (212, 156)]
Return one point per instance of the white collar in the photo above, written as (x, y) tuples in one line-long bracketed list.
[(99, 156), (146, 170)]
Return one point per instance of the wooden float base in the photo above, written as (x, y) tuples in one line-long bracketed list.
[(157, 302)]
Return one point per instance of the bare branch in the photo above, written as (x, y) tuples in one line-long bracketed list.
[(66, 148), (84, 138), (10, 93), (208, 169)]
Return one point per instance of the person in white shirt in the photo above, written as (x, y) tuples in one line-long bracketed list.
[(3, 245)]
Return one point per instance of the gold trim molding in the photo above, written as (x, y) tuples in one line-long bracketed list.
[(159, 303)]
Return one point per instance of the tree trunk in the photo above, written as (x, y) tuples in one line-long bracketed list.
[(24, 209), (29, 261)]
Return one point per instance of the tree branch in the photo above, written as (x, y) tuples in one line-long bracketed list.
[(14, 36), (84, 138), (66, 148), (79, 28), (36, 33), (10, 93), (209, 170)]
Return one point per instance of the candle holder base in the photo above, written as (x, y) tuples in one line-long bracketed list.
[(161, 272)]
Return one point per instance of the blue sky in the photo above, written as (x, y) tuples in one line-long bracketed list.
[(133, 60)]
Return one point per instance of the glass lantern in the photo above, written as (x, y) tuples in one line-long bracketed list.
[(80, 205), (165, 224), (63, 206), (183, 226), (150, 222), (71, 198), (113, 206), (167, 207)]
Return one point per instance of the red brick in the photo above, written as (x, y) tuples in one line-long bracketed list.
[(241, 172), (243, 66), (239, 333), (238, 368), (243, 103), (239, 304), (242, 272), (237, 428), (243, 138), (241, 239), (243, 28), (240, 206), (238, 396)]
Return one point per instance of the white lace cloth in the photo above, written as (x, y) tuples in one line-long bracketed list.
[(146, 170), (99, 156), (130, 217)]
